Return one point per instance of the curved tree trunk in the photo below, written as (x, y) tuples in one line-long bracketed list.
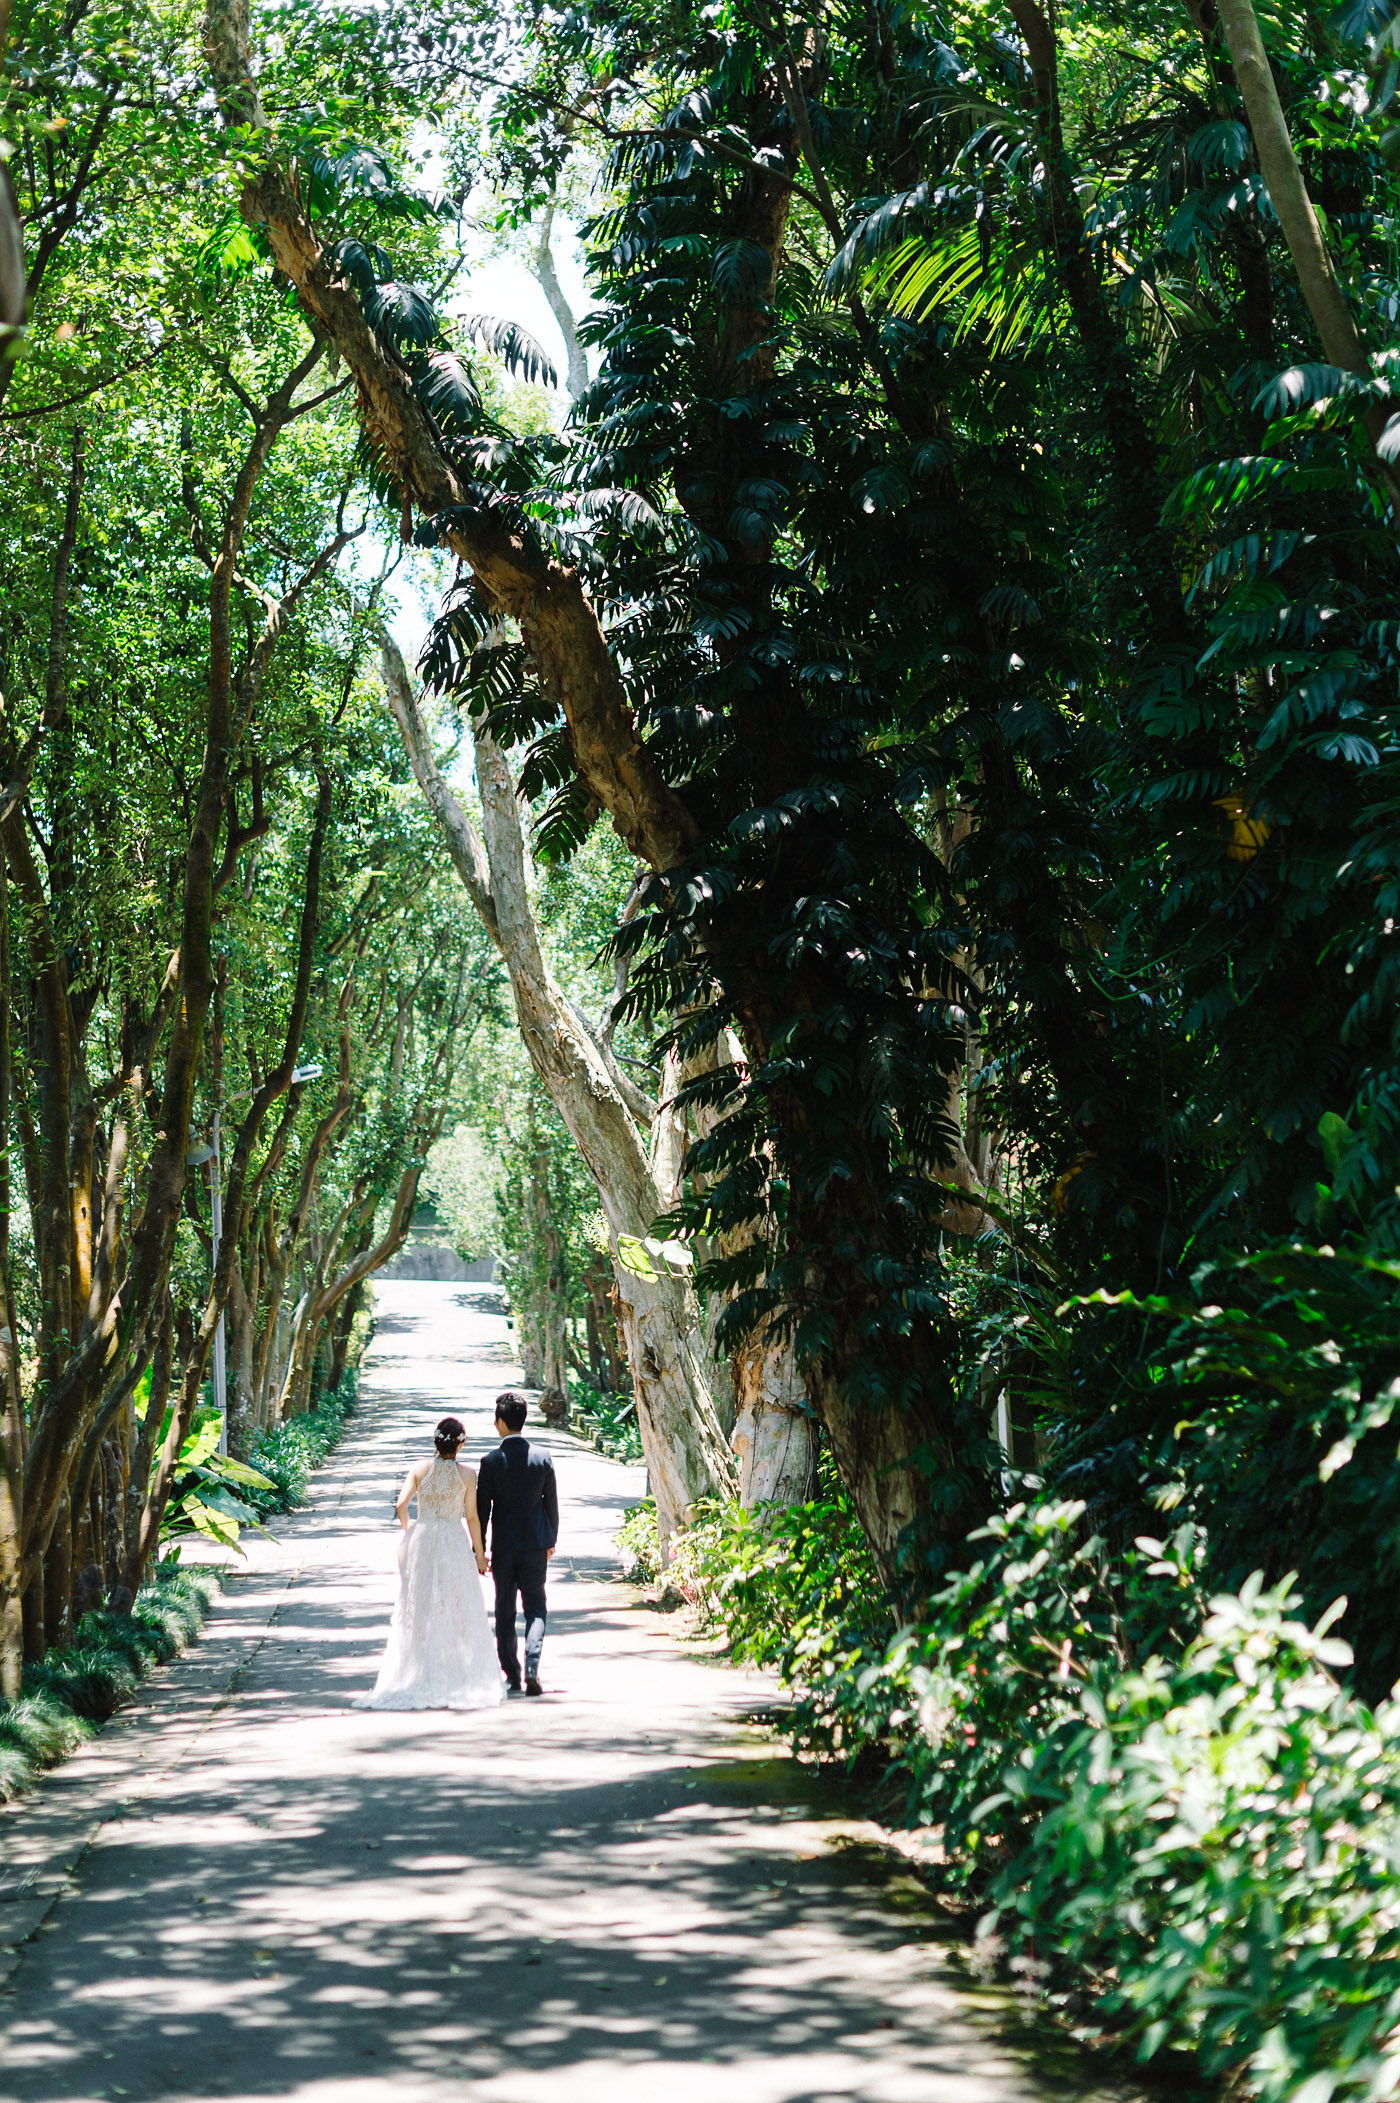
[(548, 277), (687, 1457)]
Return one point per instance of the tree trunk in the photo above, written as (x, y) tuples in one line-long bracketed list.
[(530, 1339), (660, 1320), (548, 276), (344, 1330), (772, 1429), (553, 1372), (58, 1576), (1302, 230), (244, 1287), (11, 1400)]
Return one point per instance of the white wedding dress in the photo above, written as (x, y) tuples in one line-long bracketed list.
[(440, 1653)]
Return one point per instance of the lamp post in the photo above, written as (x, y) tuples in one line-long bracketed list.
[(196, 1157)]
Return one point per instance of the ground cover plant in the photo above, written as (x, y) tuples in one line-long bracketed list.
[(72, 1691)]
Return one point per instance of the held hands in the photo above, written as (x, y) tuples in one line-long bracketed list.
[(482, 1565)]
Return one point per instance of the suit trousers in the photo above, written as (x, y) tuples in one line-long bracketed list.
[(522, 1571)]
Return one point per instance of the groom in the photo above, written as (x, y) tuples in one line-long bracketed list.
[(516, 1494)]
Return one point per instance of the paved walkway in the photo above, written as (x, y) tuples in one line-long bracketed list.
[(622, 1894)]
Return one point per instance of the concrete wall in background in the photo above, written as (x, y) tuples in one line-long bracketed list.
[(439, 1266)]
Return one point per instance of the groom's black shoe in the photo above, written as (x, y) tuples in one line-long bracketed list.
[(532, 1685), (512, 1684)]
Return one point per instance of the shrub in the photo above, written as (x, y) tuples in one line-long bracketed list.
[(72, 1690), (608, 1422), (1221, 1836), (795, 1587), (287, 1452), (1170, 1801), (36, 1732), (637, 1538)]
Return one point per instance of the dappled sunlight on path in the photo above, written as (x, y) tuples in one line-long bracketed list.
[(621, 1894)]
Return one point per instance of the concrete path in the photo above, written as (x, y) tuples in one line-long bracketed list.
[(622, 1894)]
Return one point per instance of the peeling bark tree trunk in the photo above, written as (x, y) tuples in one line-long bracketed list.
[(686, 1454)]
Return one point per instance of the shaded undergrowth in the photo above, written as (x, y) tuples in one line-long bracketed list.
[(78, 1687), (65, 1698)]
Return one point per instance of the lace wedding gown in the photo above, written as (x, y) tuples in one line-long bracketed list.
[(440, 1653)]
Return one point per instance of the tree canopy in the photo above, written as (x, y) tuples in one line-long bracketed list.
[(907, 739)]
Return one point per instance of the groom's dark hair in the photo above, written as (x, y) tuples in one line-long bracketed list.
[(512, 1409)]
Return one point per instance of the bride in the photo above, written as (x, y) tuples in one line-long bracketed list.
[(439, 1654)]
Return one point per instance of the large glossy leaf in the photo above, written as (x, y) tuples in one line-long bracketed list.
[(516, 348), (447, 390), (402, 314)]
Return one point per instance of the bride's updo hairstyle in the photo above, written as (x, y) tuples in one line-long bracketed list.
[(448, 1437)]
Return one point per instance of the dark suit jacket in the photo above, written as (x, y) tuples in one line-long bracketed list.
[(516, 1491)]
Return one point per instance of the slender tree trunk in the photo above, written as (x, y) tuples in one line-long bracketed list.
[(344, 1330), (552, 1378), (1302, 229), (143, 1450), (58, 1576), (11, 1400), (548, 276)]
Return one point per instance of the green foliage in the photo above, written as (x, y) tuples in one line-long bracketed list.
[(607, 1421), (209, 1495), (1170, 1796), (75, 1689), (795, 1587), (638, 1540), (285, 1455), (1258, 1402), (35, 1732), (1219, 1833)]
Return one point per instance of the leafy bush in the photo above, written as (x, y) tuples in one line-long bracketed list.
[(73, 1690), (285, 1454), (37, 1731), (795, 1587), (1170, 1800), (637, 1538), (1221, 1836), (608, 1422)]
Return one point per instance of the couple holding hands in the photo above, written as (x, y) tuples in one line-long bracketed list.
[(439, 1653)]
